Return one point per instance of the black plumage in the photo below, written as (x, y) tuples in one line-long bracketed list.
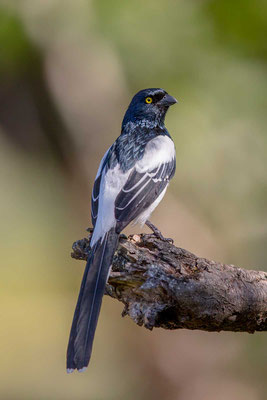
[(131, 180), (89, 301)]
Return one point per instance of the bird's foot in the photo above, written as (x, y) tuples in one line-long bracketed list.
[(157, 232)]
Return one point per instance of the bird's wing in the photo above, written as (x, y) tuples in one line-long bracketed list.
[(120, 196), (140, 192), (96, 189), (146, 182), (95, 198)]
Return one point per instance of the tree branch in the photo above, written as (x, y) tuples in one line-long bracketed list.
[(162, 285)]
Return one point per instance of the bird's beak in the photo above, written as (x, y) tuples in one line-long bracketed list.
[(167, 100)]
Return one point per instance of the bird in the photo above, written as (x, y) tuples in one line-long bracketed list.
[(131, 180)]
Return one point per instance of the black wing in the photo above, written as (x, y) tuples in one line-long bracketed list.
[(140, 191), (95, 199)]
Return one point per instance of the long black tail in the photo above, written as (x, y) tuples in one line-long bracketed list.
[(89, 302)]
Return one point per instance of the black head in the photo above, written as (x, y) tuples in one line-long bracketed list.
[(149, 107)]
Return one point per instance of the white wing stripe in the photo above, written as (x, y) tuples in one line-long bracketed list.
[(95, 198), (155, 173), (134, 186), (136, 194), (150, 174)]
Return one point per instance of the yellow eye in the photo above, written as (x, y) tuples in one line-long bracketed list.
[(148, 100)]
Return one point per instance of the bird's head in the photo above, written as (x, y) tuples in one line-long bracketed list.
[(148, 107)]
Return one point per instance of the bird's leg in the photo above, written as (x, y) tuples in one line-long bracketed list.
[(157, 232)]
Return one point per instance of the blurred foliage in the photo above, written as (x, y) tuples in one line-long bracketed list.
[(240, 25), (18, 54), (67, 72)]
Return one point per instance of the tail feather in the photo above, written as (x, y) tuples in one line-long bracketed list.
[(89, 302)]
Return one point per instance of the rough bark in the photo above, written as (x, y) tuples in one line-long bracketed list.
[(162, 285)]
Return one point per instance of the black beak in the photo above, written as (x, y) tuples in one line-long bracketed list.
[(167, 101)]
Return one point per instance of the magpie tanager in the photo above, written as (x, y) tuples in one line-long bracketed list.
[(131, 181)]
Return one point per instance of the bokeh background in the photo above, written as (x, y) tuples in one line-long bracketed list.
[(68, 70)]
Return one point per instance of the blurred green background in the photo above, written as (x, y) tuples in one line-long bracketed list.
[(68, 70)]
